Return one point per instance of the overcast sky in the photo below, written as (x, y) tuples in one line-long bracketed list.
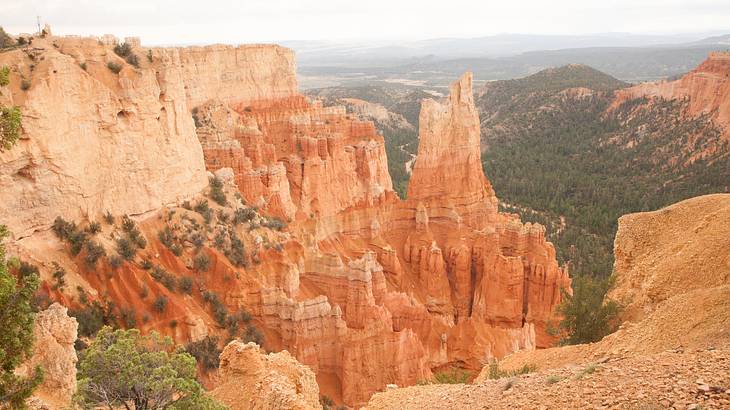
[(228, 21)]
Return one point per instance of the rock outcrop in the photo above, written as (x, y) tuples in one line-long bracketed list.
[(251, 379), (672, 352), (705, 88), (673, 277), (53, 351), (94, 141), (364, 288)]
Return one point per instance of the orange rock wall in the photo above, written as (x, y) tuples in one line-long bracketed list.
[(706, 88)]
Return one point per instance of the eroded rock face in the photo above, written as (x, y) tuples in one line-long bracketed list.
[(53, 350), (706, 88), (95, 141), (251, 379), (671, 251), (364, 288)]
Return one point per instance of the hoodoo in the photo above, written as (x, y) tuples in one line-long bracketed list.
[(362, 287)]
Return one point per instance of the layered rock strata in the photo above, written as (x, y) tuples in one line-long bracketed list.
[(364, 288)]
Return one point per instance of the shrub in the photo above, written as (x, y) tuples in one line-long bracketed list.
[(144, 291), (24, 84), (586, 318), (220, 313), (275, 223), (123, 50), (114, 67), (201, 262), (201, 206), (233, 321), (206, 352), (129, 317), (185, 284), (166, 237), (326, 402), (116, 261), (176, 249), (16, 336), (62, 228), (94, 228), (149, 55), (223, 217), (243, 215), (553, 379), (94, 251), (4, 76), (5, 39), (10, 125), (198, 239), (496, 373), (146, 264), (161, 275), (133, 60), (123, 369), (58, 276), (216, 191), (126, 248), (160, 303), (253, 334), (109, 218), (452, 376), (93, 316), (237, 253), (11, 122)]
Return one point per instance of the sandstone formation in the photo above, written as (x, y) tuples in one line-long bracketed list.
[(53, 351), (362, 287), (674, 250), (251, 379), (672, 275), (672, 352), (94, 141), (705, 88)]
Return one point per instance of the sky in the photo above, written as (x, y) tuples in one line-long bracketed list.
[(246, 21)]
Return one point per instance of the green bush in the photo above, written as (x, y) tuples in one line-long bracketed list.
[(4, 76), (496, 373), (109, 218), (159, 274), (16, 337), (123, 369), (452, 376), (94, 251), (115, 261), (5, 39), (59, 276), (114, 67), (243, 215), (160, 303), (94, 228), (133, 60), (11, 121), (201, 262), (206, 352), (253, 334), (126, 249), (123, 50), (216, 191), (586, 316), (185, 284), (274, 223)]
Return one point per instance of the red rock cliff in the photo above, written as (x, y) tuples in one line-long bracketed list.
[(705, 88), (364, 288)]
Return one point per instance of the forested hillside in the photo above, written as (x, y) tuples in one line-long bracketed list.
[(554, 148)]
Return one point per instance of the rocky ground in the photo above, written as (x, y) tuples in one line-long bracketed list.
[(674, 379)]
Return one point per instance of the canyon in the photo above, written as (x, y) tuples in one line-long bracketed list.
[(363, 287)]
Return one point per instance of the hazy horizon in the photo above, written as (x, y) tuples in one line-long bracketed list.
[(224, 21)]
